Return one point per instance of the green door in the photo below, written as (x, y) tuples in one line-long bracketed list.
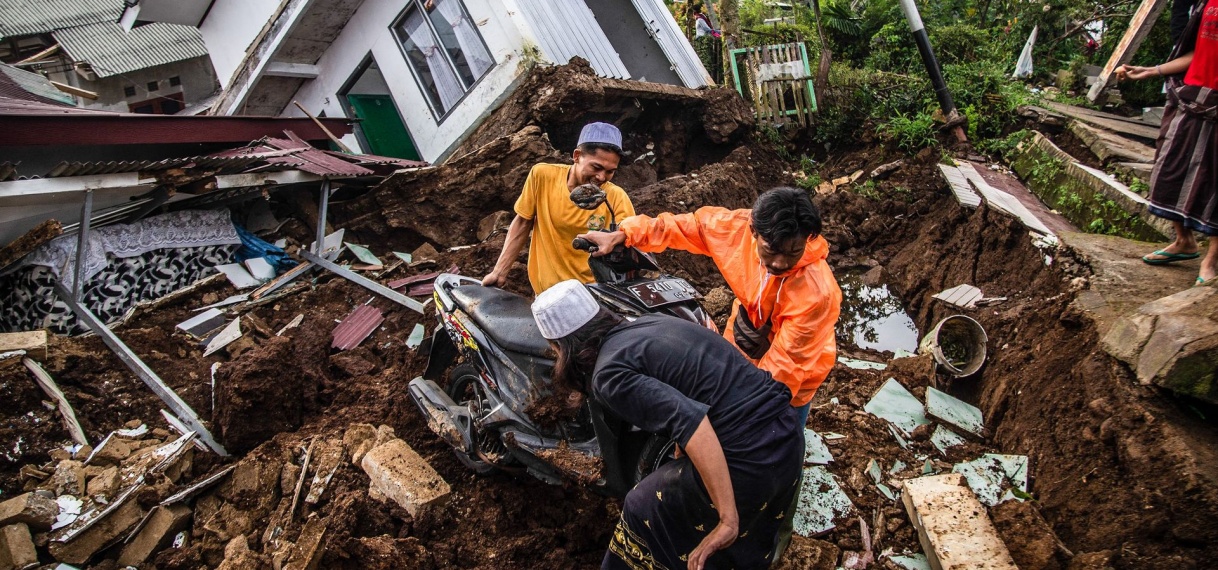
[(382, 126)]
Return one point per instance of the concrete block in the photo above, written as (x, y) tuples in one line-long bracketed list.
[(68, 478), (82, 546), (158, 532), (17, 548), (953, 526), (35, 510), (399, 473), (112, 451)]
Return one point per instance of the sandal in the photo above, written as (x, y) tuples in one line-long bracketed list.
[(1168, 257)]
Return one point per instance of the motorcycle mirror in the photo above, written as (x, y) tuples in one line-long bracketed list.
[(588, 196)]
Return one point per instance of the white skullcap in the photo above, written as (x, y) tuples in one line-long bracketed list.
[(563, 308)]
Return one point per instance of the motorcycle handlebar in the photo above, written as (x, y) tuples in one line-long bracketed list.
[(583, 244)]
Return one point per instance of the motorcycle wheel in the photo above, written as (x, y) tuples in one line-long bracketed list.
[(656, 451), (465, 388)]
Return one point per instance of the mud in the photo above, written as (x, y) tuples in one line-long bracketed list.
[(1123, 475)]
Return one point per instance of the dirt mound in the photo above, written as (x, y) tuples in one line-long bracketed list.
[(269, 383)]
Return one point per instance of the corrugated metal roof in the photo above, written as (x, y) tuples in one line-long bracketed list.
[(567, 29), (356, 327), (29, 17), (21, 84), (111, 50), (223, 164)]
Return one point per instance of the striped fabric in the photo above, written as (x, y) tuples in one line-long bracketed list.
[(1184, 182)]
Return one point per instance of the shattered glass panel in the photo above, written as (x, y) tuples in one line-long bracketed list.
[(954, 411), (944, 439), (821, 501), (897, 405), (992, 477), (816, 451)]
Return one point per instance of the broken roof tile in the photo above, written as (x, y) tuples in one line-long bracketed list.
[(954, 411), (894, 403), (356, 327)]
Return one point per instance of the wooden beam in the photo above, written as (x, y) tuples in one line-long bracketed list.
[(23, 340), (953, 526), (71, 90), (1139, 27)]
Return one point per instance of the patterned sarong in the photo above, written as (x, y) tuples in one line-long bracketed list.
[(1184, 182)]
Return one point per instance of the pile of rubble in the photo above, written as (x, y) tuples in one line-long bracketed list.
[(134, 496)]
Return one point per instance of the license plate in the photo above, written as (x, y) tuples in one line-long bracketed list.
[(663, 292)]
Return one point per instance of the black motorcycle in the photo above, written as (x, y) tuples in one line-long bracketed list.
[(501, 384)]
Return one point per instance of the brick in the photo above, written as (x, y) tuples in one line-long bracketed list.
[(35, 510), (16, 547), (113, 450), (84, 545), (163, 524), (400, 474), (68, 478), (104, 483), (953, 526)]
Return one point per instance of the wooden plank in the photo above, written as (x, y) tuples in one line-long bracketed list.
[(1140, 121), (44, 380), (953, 526), (23, 340), (1107, 121), (1139, 26)]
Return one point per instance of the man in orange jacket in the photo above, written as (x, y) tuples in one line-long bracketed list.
[(774, 259)]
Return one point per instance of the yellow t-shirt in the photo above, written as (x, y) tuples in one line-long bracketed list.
[(557, 220)]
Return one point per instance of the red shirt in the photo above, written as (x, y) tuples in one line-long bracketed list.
[(1203, 71)]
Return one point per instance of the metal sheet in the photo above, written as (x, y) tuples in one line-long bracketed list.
[(29, 18), (661, 25), (356, 327), (110, 50), (565, 29)]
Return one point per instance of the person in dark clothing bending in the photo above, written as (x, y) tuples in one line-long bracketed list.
[(721, 502)]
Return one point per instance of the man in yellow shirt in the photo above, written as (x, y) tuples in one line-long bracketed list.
[(545, 209)]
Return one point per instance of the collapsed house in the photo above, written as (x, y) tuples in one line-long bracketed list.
[(95, 63), (421, 74)]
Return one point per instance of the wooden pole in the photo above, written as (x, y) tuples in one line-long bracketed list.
[(1139, 27)]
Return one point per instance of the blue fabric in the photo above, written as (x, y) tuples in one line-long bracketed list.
[(253, 246)]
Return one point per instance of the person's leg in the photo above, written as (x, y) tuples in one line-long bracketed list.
[(803, 413), (1209, 264), (1184, 244)]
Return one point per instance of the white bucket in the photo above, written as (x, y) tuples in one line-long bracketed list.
[(957, 344)]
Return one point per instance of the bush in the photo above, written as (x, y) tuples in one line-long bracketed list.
[(911, 133)]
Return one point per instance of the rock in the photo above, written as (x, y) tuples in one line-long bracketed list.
[(1172, 342), (947, 514), (874, 277), (288, 477), (399, 473), (32, 509), (358, 440), (16, 547), (105, 483), (158, 532), (425, 252), (113, 451), (82, 546), (68, 478), (496, 221), (238, 556)]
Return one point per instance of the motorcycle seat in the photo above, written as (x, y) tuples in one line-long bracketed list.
[(506, 317)]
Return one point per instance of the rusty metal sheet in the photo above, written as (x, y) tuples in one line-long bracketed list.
[(356, 327)]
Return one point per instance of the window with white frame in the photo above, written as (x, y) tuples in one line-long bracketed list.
[(444, 49)]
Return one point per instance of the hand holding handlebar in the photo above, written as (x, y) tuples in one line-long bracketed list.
[(602, 242)]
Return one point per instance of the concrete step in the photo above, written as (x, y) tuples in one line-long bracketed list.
[(1093, 200)]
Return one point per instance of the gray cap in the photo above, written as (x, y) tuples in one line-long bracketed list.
[(602, 133)]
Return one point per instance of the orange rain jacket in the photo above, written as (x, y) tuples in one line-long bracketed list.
[(803, 305)]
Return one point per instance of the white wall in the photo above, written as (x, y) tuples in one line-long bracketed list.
[(229, 29), (369, 31)]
